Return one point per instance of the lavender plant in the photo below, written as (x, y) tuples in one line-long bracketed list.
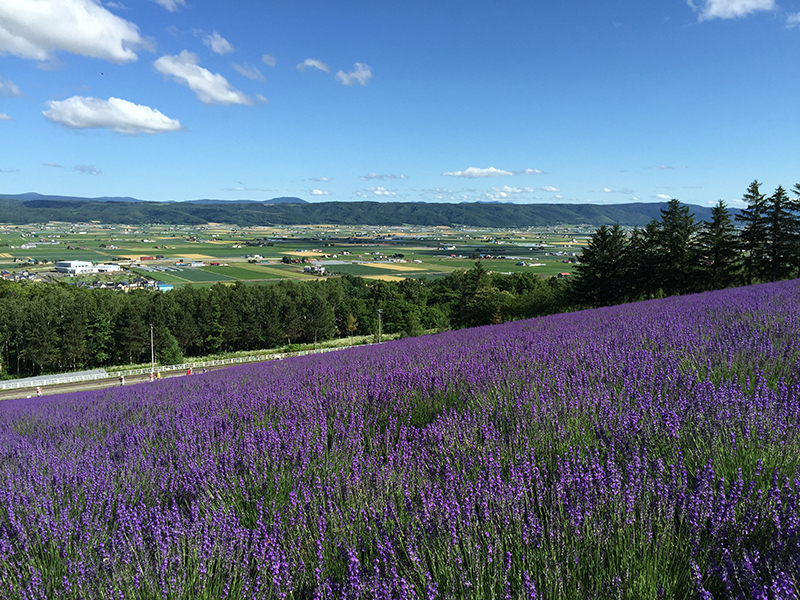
[(640, 451)]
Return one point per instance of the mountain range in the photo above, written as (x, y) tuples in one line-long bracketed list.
[(31, 207)]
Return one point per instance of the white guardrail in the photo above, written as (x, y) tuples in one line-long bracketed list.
[(67, 378)]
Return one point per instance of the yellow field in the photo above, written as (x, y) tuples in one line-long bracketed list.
[(5, 255), (395, 266), (384, 277), (195, 256)]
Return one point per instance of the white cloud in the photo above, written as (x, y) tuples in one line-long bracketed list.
[(171, 5), (369, 176), (793, 20), (475, 172), (55, 165), (379, 191), (620, 191), (320, 193), (559, 197), (87, 169), (550, 188), (728, 9), (313, 63), (5, 117), (217, 43), (117, 115), (37, 29), (8, 89), (269, 60), (360, 74), (662, 168), (211, 88), (248, 71), (320, 179), (663, 196)]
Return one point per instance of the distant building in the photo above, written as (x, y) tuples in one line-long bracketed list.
[(74, 267), (81, 267)]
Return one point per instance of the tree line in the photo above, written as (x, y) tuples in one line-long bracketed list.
[(676, 254), (51, 328)]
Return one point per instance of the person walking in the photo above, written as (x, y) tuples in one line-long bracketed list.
[(121, 380), (38, 392)]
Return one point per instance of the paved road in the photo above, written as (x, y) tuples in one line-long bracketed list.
[(82, 386)]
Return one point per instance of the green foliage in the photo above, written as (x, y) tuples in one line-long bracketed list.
[(169, 352)]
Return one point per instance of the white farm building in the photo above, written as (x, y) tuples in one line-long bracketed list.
[(81, 267)]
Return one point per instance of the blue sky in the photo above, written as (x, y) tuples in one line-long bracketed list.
[(606, 101)]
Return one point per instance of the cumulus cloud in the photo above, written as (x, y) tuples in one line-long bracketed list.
[(211, 88), (320, 193), (360, 74), (87, 169), (171, 5), (217, 43), (728, 9), (115, 114), (370, 176), (550, 188), (248, 71), (663, 196), (620, 191), (269, 60), (8, 89), (37, 30), (381, 192), (314, 64), (475, 172), (5, 117)]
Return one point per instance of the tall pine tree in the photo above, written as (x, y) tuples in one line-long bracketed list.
[(753, 239), (678, 249), (719, 264)]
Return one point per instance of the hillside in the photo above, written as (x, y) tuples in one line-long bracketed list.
[(30, 208), (641, 451)]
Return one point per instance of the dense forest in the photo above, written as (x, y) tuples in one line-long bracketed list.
[(280, 211), (47, 328), (677, 254)]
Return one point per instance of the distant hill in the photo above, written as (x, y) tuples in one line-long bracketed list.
[(36, 208)]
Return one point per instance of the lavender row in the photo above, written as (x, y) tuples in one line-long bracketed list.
[(640, 451)]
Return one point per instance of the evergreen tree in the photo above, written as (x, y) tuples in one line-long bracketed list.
[(781, 227), (601, 273), (678, 249), (643, 264), (753, 239), (718, 246)]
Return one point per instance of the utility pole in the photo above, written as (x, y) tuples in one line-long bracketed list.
[(152, 351), (380, 310)]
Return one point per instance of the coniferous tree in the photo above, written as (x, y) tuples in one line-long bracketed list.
[(781, 227), (601, 272), (753, 239), (794, 207), (718, 247), (644, 265), (678, 249)]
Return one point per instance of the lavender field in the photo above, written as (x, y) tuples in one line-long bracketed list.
[(641, 451)]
